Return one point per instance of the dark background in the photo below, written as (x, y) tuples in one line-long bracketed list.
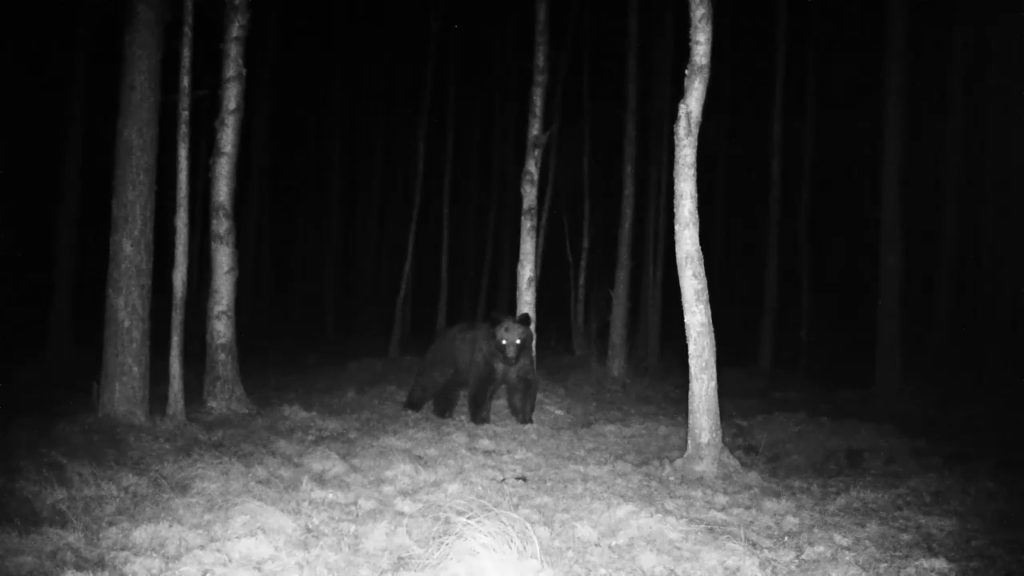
[(332, 97)]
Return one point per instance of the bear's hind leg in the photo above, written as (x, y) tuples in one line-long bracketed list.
[(447, 398)]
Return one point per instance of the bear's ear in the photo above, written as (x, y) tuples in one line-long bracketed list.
[(524, 319)]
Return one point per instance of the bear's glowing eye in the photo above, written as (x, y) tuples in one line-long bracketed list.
[(504, 342), (518, 342)]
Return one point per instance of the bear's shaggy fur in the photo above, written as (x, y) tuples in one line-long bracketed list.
[(480, 358)]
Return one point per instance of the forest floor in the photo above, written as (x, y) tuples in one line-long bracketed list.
[(332, 477)]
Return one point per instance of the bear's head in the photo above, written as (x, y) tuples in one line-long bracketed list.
[(513, 338)]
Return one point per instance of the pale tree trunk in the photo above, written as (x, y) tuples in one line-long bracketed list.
[(223, 390), (179, 277), (618, 336), (945, 295), (770, 304), (124, 377), (421, 142), (60, 325), (888, 349), (581, 344), (654, 271), (552, 144), (704, 448), (449, 152), (806, 182), (526, 281)]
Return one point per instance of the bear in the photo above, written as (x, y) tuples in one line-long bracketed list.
[(481, 359)]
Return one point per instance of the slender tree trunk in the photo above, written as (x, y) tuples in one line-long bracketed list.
[(806, 182), (179, 276), (60, 325), (449, 152), (704, 448), (945, 296), (618, 338), (124, 376), (526, 284), (497, 182), (654, 305), (770, 305), (888, 351), (333, 220), (223, 390), (421, 138), (552, 144), (580, 343)]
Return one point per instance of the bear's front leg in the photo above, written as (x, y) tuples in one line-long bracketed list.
[(481, 395), (522, 397)]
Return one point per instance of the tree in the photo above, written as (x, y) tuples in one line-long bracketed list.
[(654, 265), (618, 336), (124, 376), (806, 181), (223, 390), (526, 281), (704, 448), (888, 349), (179, 276), (421, 139), (552, 145), (60, 325), (449, 152), (770, 305), (581, 345)]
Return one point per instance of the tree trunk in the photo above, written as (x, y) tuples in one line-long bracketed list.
[(552, 144), (497, 183), (618, 337), (806, 181), (449, 152), (581, 344), (60, 325), (421, 139), (655, 267), (223, 390), (124, 376), (945, 295), (770, 305), (704, 448), (888, 351), (526, 280), (179, 276)]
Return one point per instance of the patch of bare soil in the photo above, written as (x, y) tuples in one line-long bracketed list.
[(332, 477)]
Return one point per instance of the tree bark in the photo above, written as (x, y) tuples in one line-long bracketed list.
[(124, 376), (60, 326), (945, 295), (421, 138), (770, 304), (888, 348), (581, 344), (806, 182), (526, 286), (449, 152), (655, 266), (179, 276), (223, 392), (704, 449), (552, 144), (618, 338)]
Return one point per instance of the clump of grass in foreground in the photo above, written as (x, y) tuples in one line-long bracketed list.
[(472, 537)]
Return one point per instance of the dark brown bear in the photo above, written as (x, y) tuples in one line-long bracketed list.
[(480, 358)]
